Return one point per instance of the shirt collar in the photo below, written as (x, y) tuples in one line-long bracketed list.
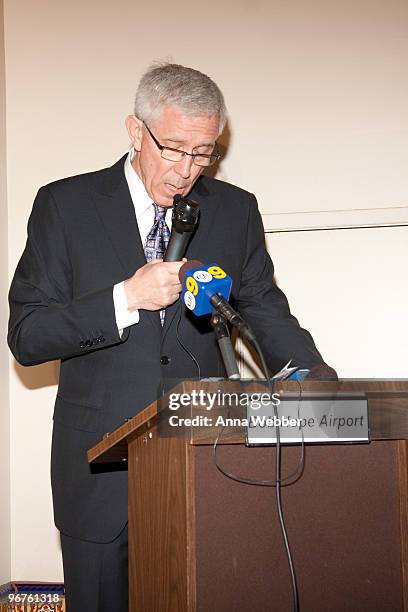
[(140, 198)]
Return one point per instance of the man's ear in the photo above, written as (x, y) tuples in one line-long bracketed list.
[(134, 127)]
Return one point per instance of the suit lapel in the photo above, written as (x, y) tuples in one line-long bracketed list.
[(116, 211)]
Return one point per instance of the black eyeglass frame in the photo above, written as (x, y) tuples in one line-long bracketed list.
[(210, 156)]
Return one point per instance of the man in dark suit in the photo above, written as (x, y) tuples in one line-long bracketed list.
[(83, 293)]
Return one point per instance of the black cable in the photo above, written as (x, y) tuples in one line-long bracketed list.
[(183, 346), (278, 482), (292, 478)]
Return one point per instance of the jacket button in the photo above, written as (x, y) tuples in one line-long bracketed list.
[(88, 343), (101, 339), (164, 360), (82, 344)]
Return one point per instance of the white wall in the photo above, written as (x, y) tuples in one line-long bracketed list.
[(317, 93), (347, 287), (5, 549)]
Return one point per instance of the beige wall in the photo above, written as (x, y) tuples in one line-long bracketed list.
[(346, 286), (5, 549), (317, 93)]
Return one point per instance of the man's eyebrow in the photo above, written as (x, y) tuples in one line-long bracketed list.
[(173, 140), (182, 142)]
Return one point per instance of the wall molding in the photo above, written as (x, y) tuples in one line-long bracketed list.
[(335, 219)]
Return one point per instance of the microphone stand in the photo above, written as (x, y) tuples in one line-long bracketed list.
[(224, 342)]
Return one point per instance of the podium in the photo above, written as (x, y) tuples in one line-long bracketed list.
[(199, 541)]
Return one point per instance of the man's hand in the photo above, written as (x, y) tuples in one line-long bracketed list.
[(154, 286)]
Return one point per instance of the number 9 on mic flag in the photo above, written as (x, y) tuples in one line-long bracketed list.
[(200, 284)]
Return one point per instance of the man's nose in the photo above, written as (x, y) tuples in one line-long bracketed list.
[(183, 167)]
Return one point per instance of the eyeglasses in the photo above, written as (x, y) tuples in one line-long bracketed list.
[(176, 155)]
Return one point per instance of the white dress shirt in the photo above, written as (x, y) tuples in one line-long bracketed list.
[(144, 211)]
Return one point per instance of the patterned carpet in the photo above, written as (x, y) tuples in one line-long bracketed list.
[(32, 597)]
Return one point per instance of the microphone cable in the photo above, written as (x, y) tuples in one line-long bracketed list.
[(295, 594), (278, 482), (183, 346)]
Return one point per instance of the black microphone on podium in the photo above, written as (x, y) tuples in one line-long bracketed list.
[(184, 221), (224, 342)]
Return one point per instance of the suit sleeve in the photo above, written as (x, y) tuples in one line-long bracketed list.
[(46, 321), (266, 308)]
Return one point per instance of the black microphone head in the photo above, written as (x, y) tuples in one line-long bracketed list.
[(185, 214)]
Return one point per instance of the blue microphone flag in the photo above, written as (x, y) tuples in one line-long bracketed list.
[(200, 284)]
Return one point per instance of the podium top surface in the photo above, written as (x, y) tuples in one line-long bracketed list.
[(387, 406)]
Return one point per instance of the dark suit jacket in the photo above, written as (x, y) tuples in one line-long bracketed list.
[(82, 239)]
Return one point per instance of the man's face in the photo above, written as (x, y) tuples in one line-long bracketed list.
[(164, 179)]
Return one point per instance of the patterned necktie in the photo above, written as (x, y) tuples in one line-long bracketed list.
[(157, 240)]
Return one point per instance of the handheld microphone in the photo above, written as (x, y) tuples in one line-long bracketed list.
[(208, 287), (184, 221)]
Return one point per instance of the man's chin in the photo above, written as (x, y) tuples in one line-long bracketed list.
[(164, 201)]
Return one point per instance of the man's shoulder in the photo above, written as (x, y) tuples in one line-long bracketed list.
[(221, 188), (98, 179)]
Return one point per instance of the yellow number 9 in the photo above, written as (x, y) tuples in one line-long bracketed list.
[(217, 272), (191, 285)]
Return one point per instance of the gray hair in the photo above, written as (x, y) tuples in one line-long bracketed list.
[(173, 85)]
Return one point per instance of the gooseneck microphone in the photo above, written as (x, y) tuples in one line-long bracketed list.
[(184, 221), (225, 309), (224, 342)]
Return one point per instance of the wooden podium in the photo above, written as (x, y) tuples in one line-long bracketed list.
[(199, 541)]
